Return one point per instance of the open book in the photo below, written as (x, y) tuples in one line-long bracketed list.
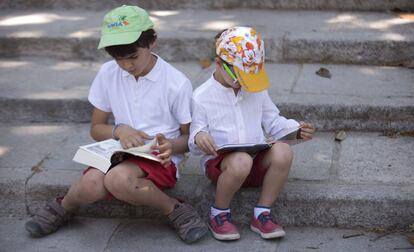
[(289, 137), (106, 154)]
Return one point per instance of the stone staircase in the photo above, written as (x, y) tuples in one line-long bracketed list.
[(48, 59)]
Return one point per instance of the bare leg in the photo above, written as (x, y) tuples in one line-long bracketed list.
[(278, 161), (235, 169), (88, 189), (127, 183)]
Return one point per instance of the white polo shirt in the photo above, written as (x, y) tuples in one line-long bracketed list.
[(155, 103), (232, 119)]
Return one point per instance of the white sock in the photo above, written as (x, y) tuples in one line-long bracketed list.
[(259, 210), (216, 211)]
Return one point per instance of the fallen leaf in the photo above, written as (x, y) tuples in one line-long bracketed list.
[(407, 16), (340, 136), (391, 133), (37, 168), (407, 134), (352, 235), (410, 238), (377, 230), (323, 72), (204, 63), (312, 247), (408, 64)]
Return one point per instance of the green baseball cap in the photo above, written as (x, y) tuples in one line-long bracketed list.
[(124, 25)]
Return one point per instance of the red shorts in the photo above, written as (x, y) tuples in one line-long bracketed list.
[(163, 177), (255, 177)]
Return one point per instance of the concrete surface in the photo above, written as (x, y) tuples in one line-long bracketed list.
[(331, 184), (187, 35), (355, 97), (366, 5), (364, 181), (88, 234)]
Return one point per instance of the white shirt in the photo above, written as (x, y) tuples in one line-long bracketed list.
[(155, 103), (234, 119)]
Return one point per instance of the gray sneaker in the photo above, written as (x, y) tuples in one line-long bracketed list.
[(187, 223), (48, 219)]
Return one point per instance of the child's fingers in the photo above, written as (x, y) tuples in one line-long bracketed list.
[(305, 135), (212, 148), (164, 148), (166, 163), (207, 147), (164, 155), (204, 147), (129, 142), (308, 129), (307, 126), (123, 145), (144, 135)]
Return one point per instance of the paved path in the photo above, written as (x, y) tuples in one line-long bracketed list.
[(87, 234)]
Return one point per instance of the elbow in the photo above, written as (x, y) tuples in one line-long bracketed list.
[(92, 133)]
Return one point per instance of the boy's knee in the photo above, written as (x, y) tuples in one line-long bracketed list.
[(117, 181), (282, 155), (91, 185), (240, 165)]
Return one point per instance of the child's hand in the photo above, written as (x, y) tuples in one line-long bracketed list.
[(165, 149), (206, 143), (306, 130), (130, 137)]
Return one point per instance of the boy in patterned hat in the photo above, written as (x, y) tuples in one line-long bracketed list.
[(234, 107), (148, 98)]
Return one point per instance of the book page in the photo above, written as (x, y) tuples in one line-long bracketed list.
[(146, 148), (104, 148)]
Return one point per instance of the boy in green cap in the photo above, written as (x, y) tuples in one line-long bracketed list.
[(148, 98)]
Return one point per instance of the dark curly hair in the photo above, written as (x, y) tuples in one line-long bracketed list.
[(145, 40)]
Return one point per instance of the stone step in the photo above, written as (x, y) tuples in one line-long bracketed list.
[(366, 5), (331, 184), (372, 38), (98, 234), (355, 97)]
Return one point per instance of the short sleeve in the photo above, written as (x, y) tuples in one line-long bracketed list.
[(181, 106), (98, 93)]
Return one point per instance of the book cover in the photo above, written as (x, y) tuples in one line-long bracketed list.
[(250, 148), (289, 137)]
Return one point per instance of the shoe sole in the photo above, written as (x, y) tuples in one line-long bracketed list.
[(275, 234), (224, 237), (34, 230), (196, 235)]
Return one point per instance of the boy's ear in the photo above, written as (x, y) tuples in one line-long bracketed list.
[(153, 44), (217, 60)]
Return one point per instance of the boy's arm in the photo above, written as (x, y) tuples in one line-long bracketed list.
[(168, 147), (179, 144), (100, 130), (279, 127), (273, 123), (199, 124)]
